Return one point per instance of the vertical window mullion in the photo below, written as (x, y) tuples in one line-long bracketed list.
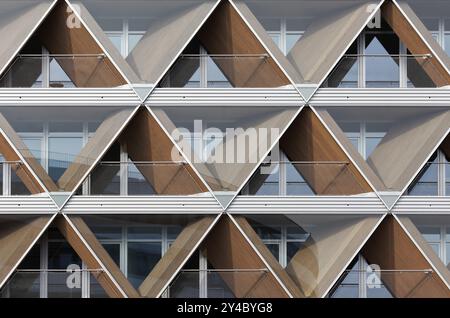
[(441, 173), (361, 42), (403, 65), (125, 38), (7, 178), (123, 170), (203, 68), (43, 276), (45, 68), (283, 35), (282, 179), (203, 274)]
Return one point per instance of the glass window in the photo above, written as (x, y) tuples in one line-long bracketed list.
[(215, 76), (107, 232), (59, 78), (274, 248), (133, 40), (295, 184), (34, 145), (116, 39), (142, 257), (291, 40), (62, 152), (137, 184), (427, 182), (371, 144), (144, 233), (382, 70), (60, 256)]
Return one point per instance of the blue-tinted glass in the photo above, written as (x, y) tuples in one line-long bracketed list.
[(62, 152), (142, 257)]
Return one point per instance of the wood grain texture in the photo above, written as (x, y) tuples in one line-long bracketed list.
[(93, 149), (268, 257), (17, 235), (91, 259), (58, 38), (227, 248), (308, 140), (392, 249), (226, 33), (414, 43), (25, 175), (176, 255), (146, 142)]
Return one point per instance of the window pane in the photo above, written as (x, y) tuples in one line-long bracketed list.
[(291, 40), (382, 70), (116, 39), (430, 233), (60, 256), (137, 184), (107, 232), (59, 78), (371, 144), (215, 75), (142, 257), (447, 43), (34, 144), (276, 38), (292, 249), (145, 233), (274, 249), (296, 185), (268, 233), (133, 40), (62, 152)]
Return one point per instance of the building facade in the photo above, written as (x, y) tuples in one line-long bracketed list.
[(225, 148)]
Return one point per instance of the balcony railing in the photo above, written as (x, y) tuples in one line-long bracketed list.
[(215, 283), (59, 71), (385, 71), (214, 70), (58, 283)]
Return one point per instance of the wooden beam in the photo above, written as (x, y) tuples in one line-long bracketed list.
[(226, 33), (92, 253), (59, 38), (269, 258), (407, 34), (445, 147), (17, 234), (307, 140), (93, 149), (147, 142), (392, 249), (174, 258), (228, 249), (21, 170)]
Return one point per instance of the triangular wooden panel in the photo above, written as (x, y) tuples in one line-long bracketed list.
[(92, 253), (175, 257), (308, 141), (391, 248), (17, 235), (64, 36), (228, 249), (414, 42), (151, 149), (103, 136), (268, 257), (226, 33), (9, 152)]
